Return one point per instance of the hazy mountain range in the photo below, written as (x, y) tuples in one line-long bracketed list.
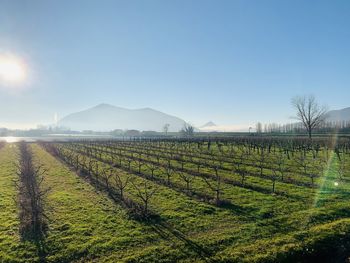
[(339, 115), (208, 124), (105, 117)]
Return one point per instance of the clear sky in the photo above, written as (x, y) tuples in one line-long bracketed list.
[(232, 62)]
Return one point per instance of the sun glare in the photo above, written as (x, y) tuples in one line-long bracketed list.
[(10, 139), (12, 70)]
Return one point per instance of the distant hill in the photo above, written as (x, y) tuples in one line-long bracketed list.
[(209, 124), (339, 115), (105, 117), (210, 127)]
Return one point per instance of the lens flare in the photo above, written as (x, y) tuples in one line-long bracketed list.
[(328, 173), (327, 184)]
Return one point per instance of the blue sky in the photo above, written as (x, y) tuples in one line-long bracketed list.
[(232, 62)]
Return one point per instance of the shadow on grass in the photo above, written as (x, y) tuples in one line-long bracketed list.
[(38, 239), (154, 220), (41, 249), (247, 212), (196, 195), (167, 232)]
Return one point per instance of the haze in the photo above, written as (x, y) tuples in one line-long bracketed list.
[(232, 62)]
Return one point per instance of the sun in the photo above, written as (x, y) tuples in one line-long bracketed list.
[(12, 70)]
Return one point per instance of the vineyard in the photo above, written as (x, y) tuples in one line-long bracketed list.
[(239, 199)]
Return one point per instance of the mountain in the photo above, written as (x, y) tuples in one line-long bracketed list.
[(209, 124), (209, 127), (105, 117), (339, 115)]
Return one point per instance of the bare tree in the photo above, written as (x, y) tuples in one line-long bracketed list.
[(106, 175), (140, 163), (261, 160), (152, 167), (120, 161), (239, 167), (215, 185), (91, 167), (168, 172), (259, 128), (187, 130), (309, 112), (145, 193), (341, 168), (180, 159), (128, 161), (32, 194), (166, 128), (274, 178), (303, 163), (280, 160), (188, 178), (120, 183)]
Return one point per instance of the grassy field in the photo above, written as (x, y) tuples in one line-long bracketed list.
[(86, 225), (12, 249), (89, 222)]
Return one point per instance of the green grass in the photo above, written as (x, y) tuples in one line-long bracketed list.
[(270, 217), (12, 249), (322, 243), (86, 225)]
